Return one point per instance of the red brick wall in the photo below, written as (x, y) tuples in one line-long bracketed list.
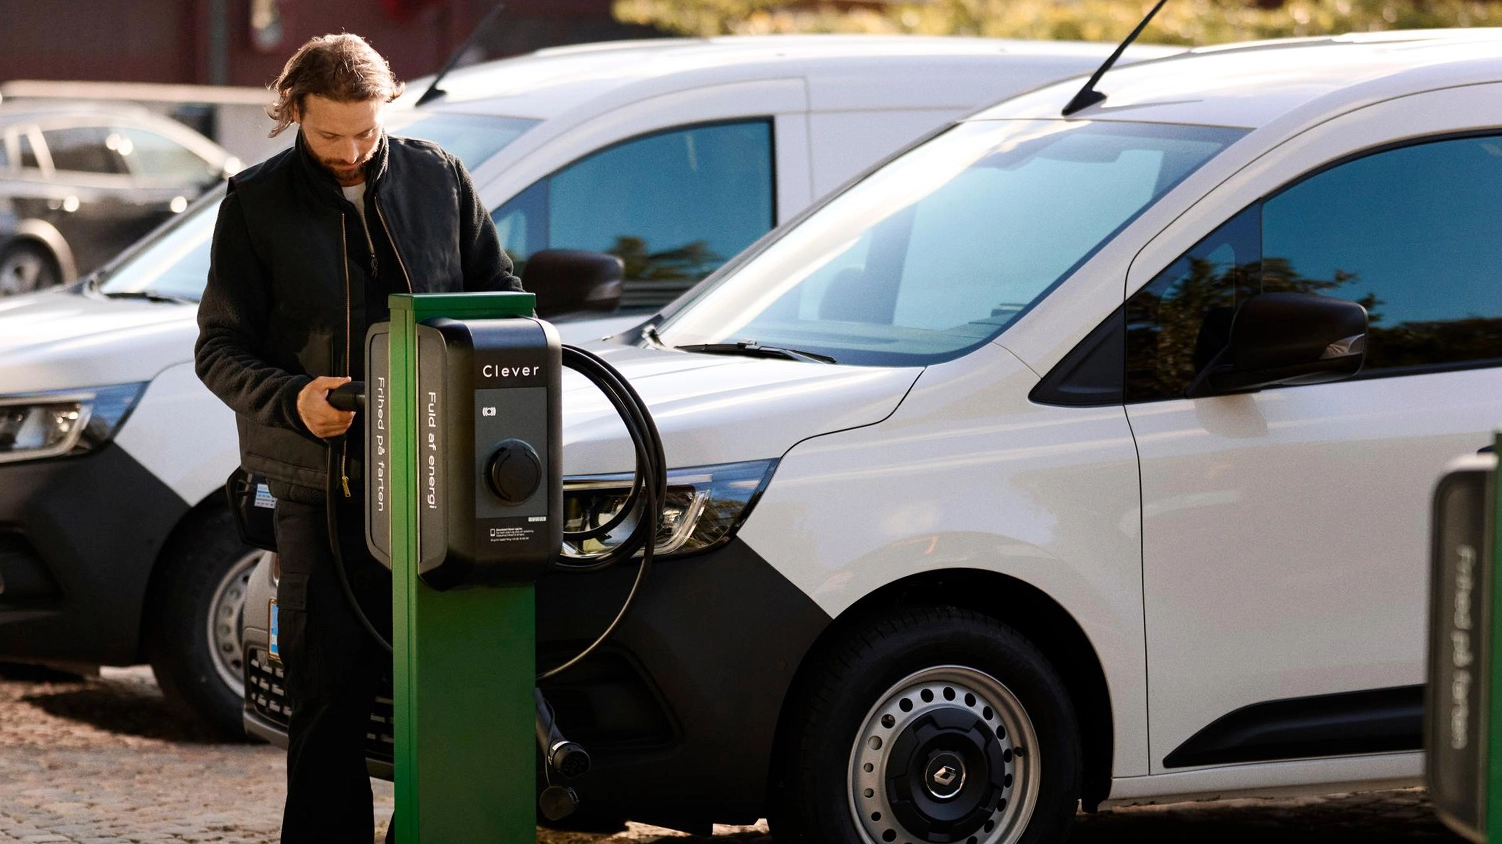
[(170, 40)]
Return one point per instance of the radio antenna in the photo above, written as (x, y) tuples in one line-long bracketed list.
[(434, 92), (1088, 96)]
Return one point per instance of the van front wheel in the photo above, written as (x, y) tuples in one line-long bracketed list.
[(931, 725)]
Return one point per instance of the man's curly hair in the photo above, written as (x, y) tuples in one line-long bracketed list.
[(342, 68)]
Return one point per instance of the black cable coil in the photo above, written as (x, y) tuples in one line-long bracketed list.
[(645, 500)]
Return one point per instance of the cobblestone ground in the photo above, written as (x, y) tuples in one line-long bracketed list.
[(98, 760)]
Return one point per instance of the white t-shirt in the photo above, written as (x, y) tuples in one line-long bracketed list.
[(356, 194)]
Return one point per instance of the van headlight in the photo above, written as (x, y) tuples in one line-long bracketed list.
[(52, 424), (704, 507)]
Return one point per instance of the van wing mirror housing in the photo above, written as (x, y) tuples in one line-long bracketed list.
[(1287, 338), (569, 280)]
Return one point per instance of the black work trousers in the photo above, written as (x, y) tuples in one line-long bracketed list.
[(334, 670)]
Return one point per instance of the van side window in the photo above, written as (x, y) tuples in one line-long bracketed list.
[(673, 205), (1415, 235), (522, 223), (1180, 319)]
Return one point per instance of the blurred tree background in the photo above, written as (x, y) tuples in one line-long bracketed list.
[(1186, 22)]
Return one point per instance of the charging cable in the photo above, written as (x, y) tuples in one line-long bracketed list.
[(643, 502)]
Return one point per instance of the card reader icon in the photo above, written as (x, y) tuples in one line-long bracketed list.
[(487, 411)]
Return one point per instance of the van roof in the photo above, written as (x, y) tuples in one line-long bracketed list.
[(549, 82), (1252, 84)]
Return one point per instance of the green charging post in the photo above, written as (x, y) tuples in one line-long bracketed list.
[(463, 496), (464, 502), (1463, 712)]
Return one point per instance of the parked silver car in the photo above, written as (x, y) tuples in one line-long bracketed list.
[(78, 183)]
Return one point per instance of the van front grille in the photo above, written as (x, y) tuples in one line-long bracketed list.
[(266, 693)]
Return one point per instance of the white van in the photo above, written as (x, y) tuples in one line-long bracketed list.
[(674, 155), (1115, 486)]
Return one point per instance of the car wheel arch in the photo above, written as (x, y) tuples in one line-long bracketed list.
[(163, 560), (189, 623), (1033, 613)]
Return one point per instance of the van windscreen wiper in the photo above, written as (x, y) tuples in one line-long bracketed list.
[(751, 348), (151, 296)]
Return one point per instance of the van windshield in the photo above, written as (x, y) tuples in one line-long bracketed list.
[(938, 251), (173, 261)]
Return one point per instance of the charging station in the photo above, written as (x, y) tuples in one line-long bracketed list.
[(464, 503), (1463, 712), (463, 657)]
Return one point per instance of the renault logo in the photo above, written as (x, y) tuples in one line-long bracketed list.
[(945, 775)]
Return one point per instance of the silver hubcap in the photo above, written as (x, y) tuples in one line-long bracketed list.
[(226, 611), (946, 754), (21, 272)]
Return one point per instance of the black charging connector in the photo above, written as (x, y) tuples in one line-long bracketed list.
[(563, 756), (348, 397)]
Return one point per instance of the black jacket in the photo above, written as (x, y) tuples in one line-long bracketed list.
[(287, 288)]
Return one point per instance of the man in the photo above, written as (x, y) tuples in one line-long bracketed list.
[(306, 249)]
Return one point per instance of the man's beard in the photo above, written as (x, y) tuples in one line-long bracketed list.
[(347, 173)]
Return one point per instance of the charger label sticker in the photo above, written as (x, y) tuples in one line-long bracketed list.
[(512, 534)]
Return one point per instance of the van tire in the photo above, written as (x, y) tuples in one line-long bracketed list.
[(909, 691), (202, 571)]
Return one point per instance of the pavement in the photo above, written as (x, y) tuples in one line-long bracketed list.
[(99, 760)]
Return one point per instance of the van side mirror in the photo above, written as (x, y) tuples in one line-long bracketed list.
[(1287, 338), (568, 280)]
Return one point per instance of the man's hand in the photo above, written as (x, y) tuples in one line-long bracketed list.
[(316, 412)]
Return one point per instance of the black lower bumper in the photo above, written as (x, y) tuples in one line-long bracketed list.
[(78, 540), (679, 710), (714, 642)]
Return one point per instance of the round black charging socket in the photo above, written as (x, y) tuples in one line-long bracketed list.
[(514, 471)]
